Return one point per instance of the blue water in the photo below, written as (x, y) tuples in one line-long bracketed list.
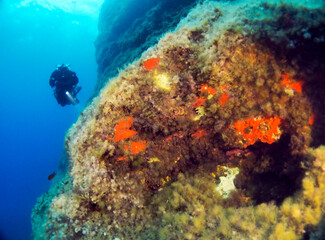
[(33, 40)]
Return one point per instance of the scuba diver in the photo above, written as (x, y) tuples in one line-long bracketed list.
[(65, 85)]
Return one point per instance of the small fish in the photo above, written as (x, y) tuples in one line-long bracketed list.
[(51, 176)]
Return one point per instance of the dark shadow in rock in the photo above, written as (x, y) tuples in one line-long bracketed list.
[(272, 173)]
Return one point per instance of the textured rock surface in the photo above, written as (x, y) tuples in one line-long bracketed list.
[(236, 86), (127, 28)]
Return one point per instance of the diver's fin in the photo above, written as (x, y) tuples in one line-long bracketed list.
[(76, 101)]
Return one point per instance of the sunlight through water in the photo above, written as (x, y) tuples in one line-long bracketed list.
[(81, 7)]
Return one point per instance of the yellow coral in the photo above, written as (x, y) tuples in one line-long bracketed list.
[(162, 80), (282, 233)]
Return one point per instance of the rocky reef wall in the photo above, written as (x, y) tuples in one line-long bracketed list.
[(216, 132), (127, 28)]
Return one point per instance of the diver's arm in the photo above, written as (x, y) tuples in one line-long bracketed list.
[(53, 79)]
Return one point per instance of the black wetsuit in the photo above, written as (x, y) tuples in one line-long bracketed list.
[(63, 80)]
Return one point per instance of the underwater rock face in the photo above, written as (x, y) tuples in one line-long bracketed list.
[(215, 133), (127, 28)]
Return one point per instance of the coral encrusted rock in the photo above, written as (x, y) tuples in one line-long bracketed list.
[(127, 28), (216, 132)]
